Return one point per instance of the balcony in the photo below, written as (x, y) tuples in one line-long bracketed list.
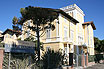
[(67, 39)]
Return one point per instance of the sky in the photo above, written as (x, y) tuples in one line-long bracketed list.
[(93, 10)]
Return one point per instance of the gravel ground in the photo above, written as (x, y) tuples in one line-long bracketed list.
[(97, 66)]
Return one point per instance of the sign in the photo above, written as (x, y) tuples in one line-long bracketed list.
[(18, 46), (19, 49)]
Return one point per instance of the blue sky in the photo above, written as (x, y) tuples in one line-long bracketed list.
[(93, 9)]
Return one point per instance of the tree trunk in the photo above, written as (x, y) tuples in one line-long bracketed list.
[(38, 42)]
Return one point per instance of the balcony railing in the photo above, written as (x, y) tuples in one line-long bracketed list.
[(66, 39)]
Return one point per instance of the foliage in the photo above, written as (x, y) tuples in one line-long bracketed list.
[(1, 44), (99, 45), (91, 58), (20, 61), (42, 19), (6, 61), (16, 24), (40, 16), (102, 45), (15, 20), (96, 58), (30, 38), (52, 59), (19, 39), (99, 57)]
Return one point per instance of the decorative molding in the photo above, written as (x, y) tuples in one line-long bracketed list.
[(72, 7)]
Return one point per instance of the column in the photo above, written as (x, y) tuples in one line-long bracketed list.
[(67, 48), (87, 59), (71, 55), (77, 53), (68, 53), (82, 58), (1, 57)]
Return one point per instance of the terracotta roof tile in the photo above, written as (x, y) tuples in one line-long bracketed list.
[(17, 32), (92, 24)]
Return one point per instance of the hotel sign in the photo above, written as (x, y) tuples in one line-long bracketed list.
[(19, 49), (18, 46)]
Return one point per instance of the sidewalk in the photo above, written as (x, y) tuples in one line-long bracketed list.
[(96, 66), (79, 67)]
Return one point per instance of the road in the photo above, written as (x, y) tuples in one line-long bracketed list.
[(97, 66)]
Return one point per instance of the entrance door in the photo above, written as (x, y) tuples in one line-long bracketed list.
[(70, 59)]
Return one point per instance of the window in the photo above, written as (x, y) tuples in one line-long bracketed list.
[(91, 39), (80, 40), (72, 34), (71, 24), (71, 14), (65, 31), (6, 36), (28, 33), (47, 48), (65, 50), (48, 33), (29, 22), (65, 20)]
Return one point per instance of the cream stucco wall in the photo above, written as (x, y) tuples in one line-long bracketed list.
[(89, 38), (58, 36)]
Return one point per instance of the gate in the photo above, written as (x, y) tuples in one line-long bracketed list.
[(77, 60)]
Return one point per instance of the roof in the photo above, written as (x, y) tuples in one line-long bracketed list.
[(12, 31), (66, 15), (92, 24), (72, 7), (61, 12), (1, 32)]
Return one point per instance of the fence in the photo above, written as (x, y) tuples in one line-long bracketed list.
[(96, 58), (78, 60), (91, 58)]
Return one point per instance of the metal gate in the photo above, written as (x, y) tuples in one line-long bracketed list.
[(77, 60)]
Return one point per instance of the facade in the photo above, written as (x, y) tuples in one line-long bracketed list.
[(84, 30), (69, 35)]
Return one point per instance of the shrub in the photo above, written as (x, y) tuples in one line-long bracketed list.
[(91, 58), (52, 59)]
